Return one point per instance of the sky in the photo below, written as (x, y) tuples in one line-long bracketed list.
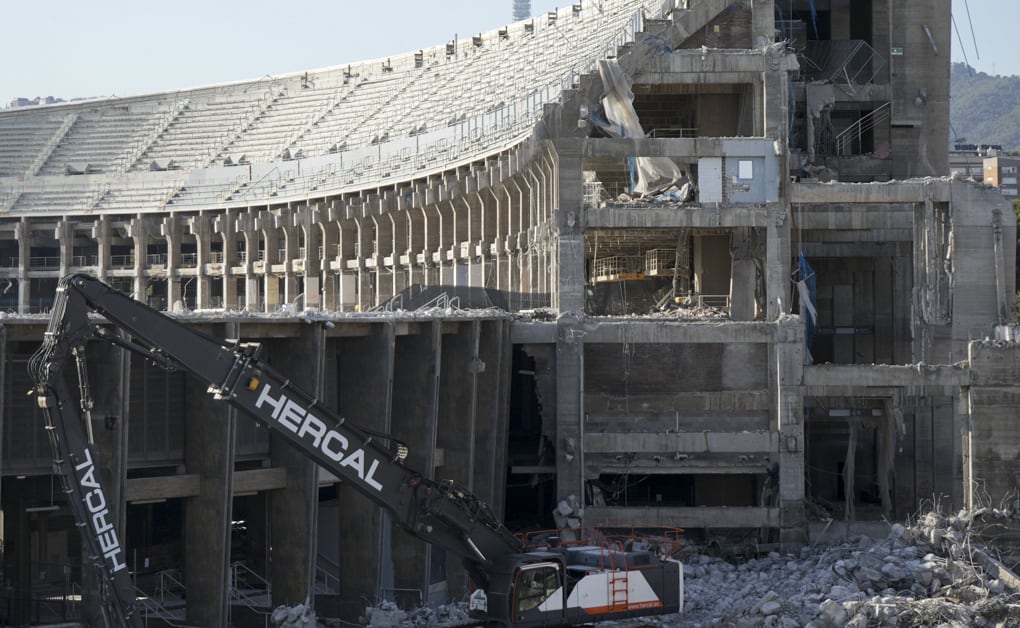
[(995, 29), (71, 48)]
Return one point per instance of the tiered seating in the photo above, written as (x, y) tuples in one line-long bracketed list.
[(365, 97), (423, 110), (271, 131), (134, 199), (23, 138), (55, 200), (206, 125), (202, 195), (102, 138)]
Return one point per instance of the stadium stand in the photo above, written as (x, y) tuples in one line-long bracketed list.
[(380, 119)]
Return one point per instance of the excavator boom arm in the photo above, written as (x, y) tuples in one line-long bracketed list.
[(439, 513)]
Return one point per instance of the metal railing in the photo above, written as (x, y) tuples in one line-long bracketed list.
[(850, 140)]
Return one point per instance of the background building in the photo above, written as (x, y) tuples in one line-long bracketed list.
[(448, 246)]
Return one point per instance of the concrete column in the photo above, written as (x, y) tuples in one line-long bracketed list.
[(271, 296), (364, 395), (65, 240), (787, 419), (744, 274), (209, 440), (22, 233), (291, 241), (294, 510), (246, 227), (415, 422), (569, 405), (328, 236), (201, 227), (139, 230), (777, 262), (311, 261), (108, 373), (223, 224), (399, 229), (365, 297), (383, 229), (763, 22), (492, 372), (101, 234), (458, 422), (170, 229), (568, 286)]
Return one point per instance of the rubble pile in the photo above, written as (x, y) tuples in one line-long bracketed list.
[(929, 573), (934, 571), (388, 615)]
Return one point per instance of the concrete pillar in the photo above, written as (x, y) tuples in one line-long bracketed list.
[(139, 231), (101, 234), (201, 227), (416, 368), (569, 287), (364, 395), (108, 373), (65, 240), (383, 228), (458, 422), (777, 262), (328, 236), (223, 224), (170, 229), (365, 289), (569, 378), (763, 22), (209, 441), (492, 371), (293, 510), (22, 233), (787, 419), (743, 274)]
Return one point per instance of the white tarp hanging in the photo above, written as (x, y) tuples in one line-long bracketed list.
[(654, 174)]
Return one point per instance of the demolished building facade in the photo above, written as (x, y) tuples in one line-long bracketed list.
[(806, 319)]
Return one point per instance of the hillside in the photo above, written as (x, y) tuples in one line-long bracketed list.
[(985, 109)]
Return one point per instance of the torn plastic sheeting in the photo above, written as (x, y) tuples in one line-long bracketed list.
[(654, 174)]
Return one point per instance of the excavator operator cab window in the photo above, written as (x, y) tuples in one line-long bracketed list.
[(537, 586)]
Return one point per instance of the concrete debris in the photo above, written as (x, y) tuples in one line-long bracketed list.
[(300, 616), (933, 571), (925, 573), (388, 615)]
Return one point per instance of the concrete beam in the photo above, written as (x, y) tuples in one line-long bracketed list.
[(723, 65), (622, 148), (255, 480), (697, 517), (656, 331), (685, 217), (164, 487), (691, 442), (820, 377), (835, 217), (909, 191)]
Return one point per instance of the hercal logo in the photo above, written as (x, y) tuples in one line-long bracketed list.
[(95, 502), (307, 426)]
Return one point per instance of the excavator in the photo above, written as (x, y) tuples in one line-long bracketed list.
[(515, 583)]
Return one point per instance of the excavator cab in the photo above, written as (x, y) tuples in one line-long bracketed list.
[(538, 587)]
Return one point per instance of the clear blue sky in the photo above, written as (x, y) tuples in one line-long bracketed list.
[(995, 28), (70, 48)]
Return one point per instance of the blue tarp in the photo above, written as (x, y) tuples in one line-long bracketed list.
[(808, 289)]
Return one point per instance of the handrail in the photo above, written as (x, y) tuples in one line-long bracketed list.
[(844, 141), (326, 578), (162, 588)]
